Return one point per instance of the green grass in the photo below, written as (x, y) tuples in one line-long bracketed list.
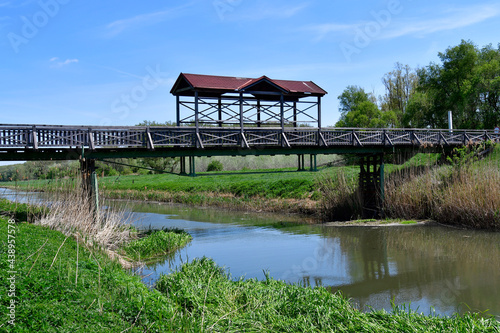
[(408, 222), (204, 292), (73, 290), (19, 211), (365, 221), (156, 243), (63, 286), (278, 183)]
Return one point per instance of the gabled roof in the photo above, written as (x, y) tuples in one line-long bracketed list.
[(186, 84)]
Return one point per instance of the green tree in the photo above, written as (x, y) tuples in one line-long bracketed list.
[(419, 111), (453, 86), (488, 73), (400, 85), (359, 109), (155, 123)]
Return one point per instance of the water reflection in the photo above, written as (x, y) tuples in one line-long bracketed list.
[(428, 266)]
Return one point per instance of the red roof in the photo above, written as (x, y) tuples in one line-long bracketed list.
[(224, 84)]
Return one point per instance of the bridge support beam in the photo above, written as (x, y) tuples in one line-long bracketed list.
[(90, 185), (371, 185)]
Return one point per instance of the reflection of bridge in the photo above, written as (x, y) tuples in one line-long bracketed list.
[(233, 116)]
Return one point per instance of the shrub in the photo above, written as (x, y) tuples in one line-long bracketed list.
[(215, 165)]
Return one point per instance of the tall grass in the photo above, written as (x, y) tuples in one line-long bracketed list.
[(472, 198), (411, 193), (65, 209), (212, 300), (341, 198), (73, 214), (463, 194)]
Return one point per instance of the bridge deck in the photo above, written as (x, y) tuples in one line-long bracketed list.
[(27, 140)]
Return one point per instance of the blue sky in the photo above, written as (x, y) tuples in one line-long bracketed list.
[(113, 62)]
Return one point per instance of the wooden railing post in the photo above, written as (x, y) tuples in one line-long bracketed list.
[(34, 137)]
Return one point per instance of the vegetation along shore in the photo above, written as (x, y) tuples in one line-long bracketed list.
[(69, 279)]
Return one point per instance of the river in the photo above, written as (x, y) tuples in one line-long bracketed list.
[(432, 269)]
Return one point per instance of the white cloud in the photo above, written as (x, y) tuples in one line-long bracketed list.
[(322, 30), (57, 64), (450, 20), (116, 27), (265, 11), (400, 26)]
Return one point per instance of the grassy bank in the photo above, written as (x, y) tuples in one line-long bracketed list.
[(283, 190), (465, 193), (66, 285), (154, 244)]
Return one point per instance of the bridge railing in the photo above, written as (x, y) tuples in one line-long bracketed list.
[(95, 137)]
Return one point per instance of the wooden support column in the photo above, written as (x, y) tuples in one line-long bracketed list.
[(319, 121), (371, 185), (178, 110), (196, 112), (242, 144), (90, 186), (258, 113), (282, 119), (219, 111), (197, 121), (295, 114)]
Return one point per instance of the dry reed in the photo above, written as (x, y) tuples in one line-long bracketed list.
[(466, 196), (72, 214), (341, 198)]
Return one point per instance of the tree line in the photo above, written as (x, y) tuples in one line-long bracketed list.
[(466, 81)]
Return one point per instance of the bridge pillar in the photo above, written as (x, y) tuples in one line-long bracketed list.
[(371, 185), (90, 185), (313, 165), (183, 166), (192, 167), (301, 162)]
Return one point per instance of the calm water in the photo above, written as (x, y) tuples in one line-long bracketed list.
[(429, 267)]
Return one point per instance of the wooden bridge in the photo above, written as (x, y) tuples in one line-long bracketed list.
[(232, 116), (90, 143), (45, 142)]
